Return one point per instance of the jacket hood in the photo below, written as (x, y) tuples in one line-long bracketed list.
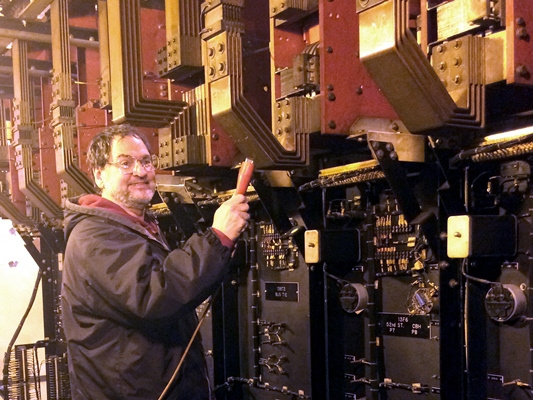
[(73, 214)]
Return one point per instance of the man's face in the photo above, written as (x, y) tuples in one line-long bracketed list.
[(132, 191)]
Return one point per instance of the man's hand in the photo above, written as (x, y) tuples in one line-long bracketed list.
[(232, 216)]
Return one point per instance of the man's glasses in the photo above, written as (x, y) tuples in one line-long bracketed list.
[(126, 164)]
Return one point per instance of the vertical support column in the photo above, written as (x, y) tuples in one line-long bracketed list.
[(25, 138), (63, 105)]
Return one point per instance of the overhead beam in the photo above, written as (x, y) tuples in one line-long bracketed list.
[(41, 32)]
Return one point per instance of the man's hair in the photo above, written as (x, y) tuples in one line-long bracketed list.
[(100, 147)]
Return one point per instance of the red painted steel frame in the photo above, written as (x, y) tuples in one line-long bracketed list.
[(347, 89)]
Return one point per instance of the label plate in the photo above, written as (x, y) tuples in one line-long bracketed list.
[(416, 326), (282, 291)]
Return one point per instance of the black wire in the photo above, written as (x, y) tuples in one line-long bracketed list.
[(466, 154), (186, 351), (7, 355), (473, 278)]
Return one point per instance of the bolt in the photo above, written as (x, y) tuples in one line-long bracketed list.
[(379, 154), (393, 155), (329, 49), (453, 283), (389, 146), (442, 66), (214, 136), (520, 21), (456, 79), (330, 86), (331, 96), (521, 33), (332, 124), (359, 90), (522, 71), (216, 158)]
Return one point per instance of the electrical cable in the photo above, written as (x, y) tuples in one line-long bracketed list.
[(466, 154), (186, 351), (473, 278), (7, 355)]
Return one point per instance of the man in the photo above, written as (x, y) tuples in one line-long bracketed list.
[(128, 301)]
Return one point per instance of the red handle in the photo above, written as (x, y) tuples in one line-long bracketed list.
[(245, 174)]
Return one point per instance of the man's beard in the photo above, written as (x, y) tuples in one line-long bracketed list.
[(135, 201)]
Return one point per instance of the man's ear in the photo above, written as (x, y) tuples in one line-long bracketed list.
[(98, 180)]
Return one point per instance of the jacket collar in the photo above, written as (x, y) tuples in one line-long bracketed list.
[(96, 205)]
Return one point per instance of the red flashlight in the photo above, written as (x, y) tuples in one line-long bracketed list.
[(245, 174)]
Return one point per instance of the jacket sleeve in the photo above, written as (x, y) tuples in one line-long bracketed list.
[(125, 272)]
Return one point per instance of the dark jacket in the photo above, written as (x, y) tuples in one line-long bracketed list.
[(128, 306)]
